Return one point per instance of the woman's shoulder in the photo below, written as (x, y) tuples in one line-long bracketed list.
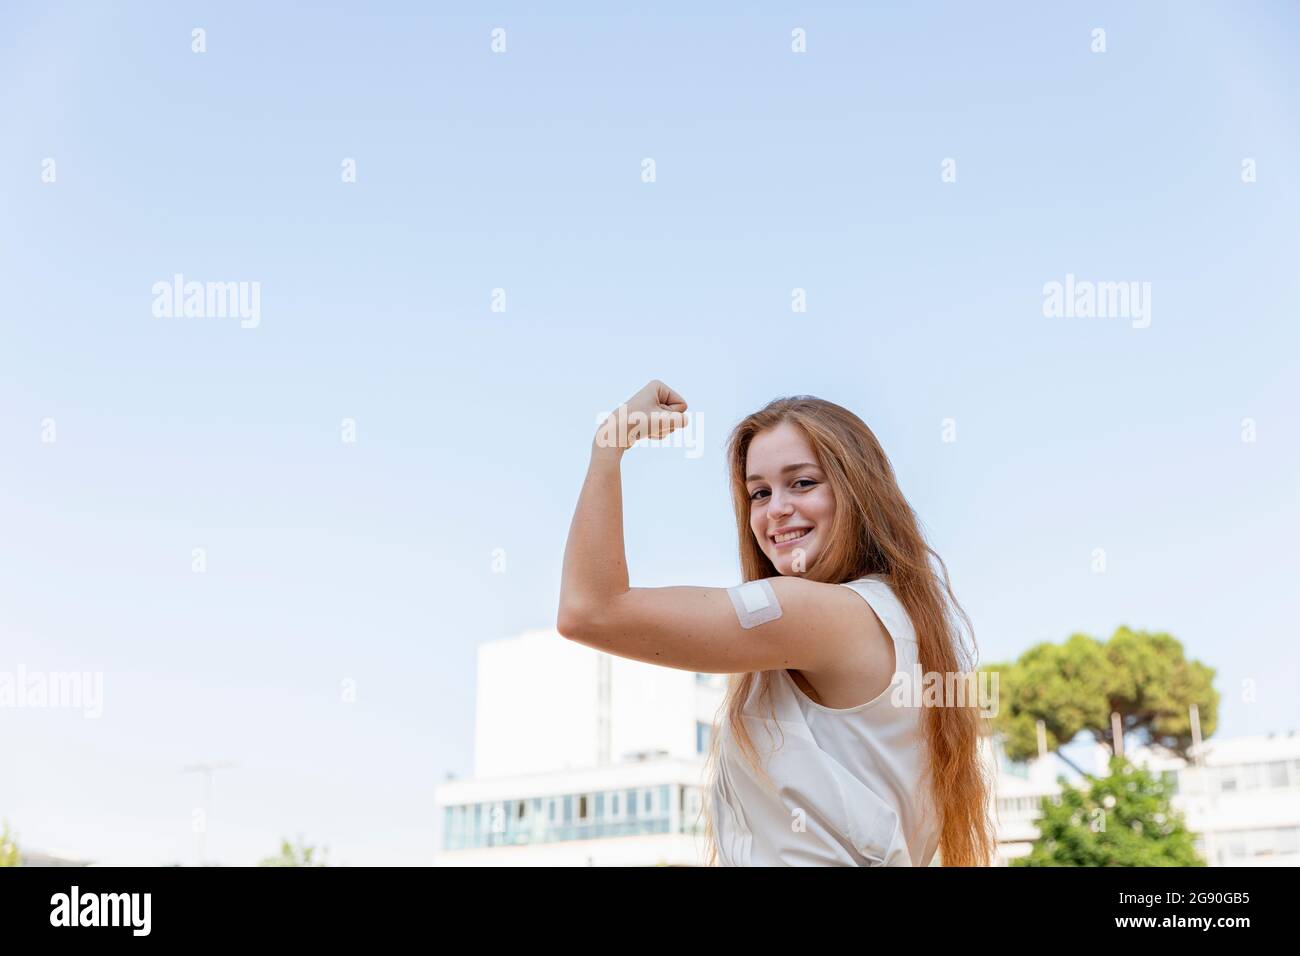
[(878, 591)]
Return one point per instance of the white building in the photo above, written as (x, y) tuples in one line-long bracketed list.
[(1019, 792), (1241, 800), (587, 759), (580, 758)]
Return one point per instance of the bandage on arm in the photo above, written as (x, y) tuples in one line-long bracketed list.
[(755, 603)]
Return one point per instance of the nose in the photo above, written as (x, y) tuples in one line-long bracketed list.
[(780, 507)]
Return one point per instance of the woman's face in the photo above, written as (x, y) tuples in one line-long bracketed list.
[(788, 492)]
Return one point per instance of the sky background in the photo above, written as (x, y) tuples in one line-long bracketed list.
[(372, 561)]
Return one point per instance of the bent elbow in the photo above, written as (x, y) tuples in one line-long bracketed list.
[(571, 621), (590, 621)]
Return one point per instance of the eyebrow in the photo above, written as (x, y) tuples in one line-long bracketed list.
[(787, 469)]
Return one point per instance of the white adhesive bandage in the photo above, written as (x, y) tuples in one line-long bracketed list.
[(755, 603)]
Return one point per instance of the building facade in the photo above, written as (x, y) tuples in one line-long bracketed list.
[(580, 758), (586, 759), (1240, 798)]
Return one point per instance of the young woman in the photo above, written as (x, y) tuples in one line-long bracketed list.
[(818, 762)]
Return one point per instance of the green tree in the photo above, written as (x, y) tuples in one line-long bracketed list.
[(1075, 687), (299, 855), (1123, 819), (9, 855)]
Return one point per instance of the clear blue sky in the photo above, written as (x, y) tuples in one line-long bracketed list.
[(372, 561)]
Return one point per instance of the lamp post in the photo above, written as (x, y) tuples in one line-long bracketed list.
[(1202, 775), (207, 770)]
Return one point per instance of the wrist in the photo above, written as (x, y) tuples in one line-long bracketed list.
[(602, 450), (612, 436)]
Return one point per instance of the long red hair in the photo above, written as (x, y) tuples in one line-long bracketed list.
[(875, 531)]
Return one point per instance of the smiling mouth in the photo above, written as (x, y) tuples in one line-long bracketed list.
[(787, 536)]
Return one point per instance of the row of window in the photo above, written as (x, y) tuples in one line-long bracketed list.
[(1010, 806), (1238, 778), (1238, 846), (646, 810), (1275, 774), (571, 816)]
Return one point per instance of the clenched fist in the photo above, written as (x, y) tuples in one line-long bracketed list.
[(654, 412)]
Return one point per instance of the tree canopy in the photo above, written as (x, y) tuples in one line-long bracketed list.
[(1075, 687)]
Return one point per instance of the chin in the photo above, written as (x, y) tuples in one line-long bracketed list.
[(785, 562)]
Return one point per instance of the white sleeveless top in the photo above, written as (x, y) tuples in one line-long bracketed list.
[(854, 772)]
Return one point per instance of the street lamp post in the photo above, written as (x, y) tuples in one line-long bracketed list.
[(207, 770)]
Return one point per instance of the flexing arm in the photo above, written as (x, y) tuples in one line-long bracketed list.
[(691, 628)]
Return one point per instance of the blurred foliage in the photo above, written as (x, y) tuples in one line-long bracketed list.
[(9, 855), (296, 855), (1124, 819)]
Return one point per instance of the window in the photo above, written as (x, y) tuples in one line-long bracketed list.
[(692, 815), (1015, 768), (1277, 774), (703, 734)]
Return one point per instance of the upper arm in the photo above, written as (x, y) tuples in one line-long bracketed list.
[(697, 629)]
